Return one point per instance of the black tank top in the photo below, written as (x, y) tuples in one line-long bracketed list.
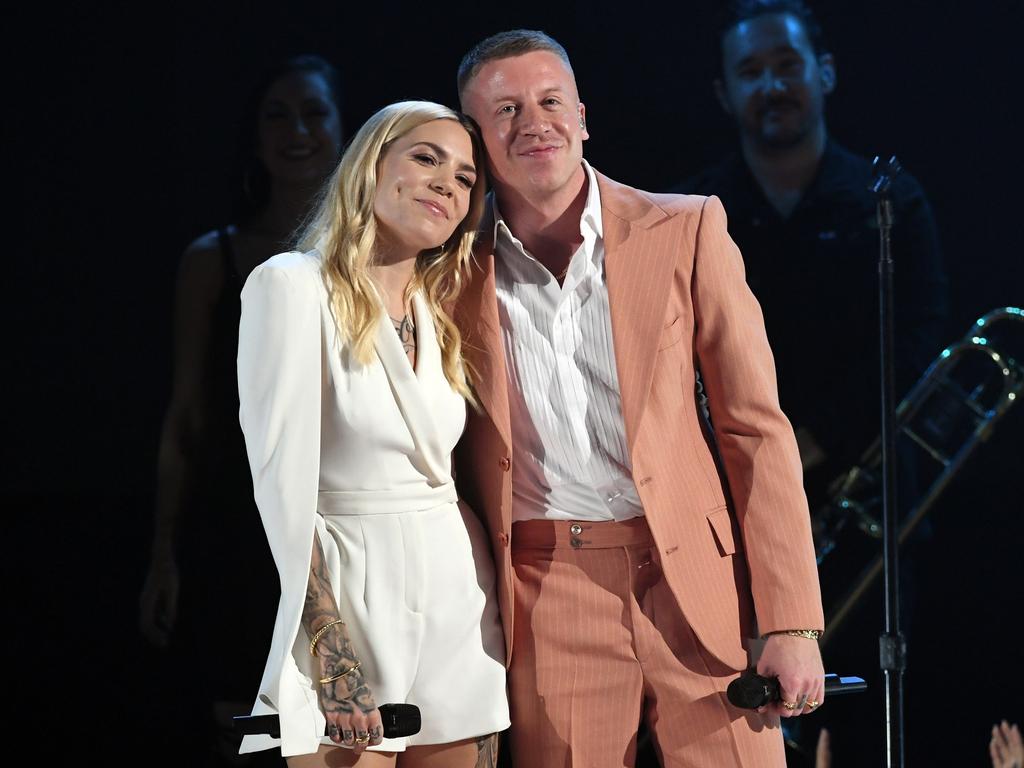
[(222, 451)]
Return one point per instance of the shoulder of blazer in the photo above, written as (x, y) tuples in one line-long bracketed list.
[(301, 269), (646, 208), (295, 262)]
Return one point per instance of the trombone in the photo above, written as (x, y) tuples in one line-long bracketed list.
[(948, 413)]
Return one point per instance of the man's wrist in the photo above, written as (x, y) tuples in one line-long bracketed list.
[(810, 634)]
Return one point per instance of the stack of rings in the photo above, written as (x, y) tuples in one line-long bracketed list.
[(791, 705)]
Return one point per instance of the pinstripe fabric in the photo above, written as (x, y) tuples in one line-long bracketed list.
[(734, 546), (572, 461), (598, 634)]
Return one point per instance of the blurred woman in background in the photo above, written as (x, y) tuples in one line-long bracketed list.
[(210, 578)]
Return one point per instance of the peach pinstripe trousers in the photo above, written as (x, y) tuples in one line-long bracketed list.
[(599, 642)]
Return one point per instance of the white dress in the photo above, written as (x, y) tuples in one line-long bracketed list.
[(360, 455)]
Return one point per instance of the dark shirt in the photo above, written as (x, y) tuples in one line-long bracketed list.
[(226, 560), (220, 449), (815, 275)]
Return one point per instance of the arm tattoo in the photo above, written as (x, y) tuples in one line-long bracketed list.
[(319, 607), (334, 647), (487, 751)]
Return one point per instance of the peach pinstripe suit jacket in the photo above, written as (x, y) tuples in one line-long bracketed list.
[(678, 301)]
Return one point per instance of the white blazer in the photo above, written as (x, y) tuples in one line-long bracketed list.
[(292, 371)]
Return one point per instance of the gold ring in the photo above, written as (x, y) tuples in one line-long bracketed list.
[(363, 740), (812, 704), (790, 705)]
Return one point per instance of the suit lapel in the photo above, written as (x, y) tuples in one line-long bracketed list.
[(409, 391), (477, 311), (639, 278)]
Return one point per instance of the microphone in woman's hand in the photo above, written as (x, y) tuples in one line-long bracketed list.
[(398, 720)]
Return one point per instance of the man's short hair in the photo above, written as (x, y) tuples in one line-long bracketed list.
[(738, 11), (506, 45)]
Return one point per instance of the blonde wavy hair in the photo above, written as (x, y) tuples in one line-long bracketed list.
[(344, 229)]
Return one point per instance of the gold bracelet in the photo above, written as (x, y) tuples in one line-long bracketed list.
[(810, 634), (350, 670), (320, 633)]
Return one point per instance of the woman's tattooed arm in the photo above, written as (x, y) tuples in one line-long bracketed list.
[(334, 648)]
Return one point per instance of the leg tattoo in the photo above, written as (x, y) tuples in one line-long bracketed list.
[(487, 751)]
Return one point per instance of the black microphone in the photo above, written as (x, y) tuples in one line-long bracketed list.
[(750, 690), (398, 719)]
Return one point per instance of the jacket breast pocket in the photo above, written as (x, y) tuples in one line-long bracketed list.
[(672, 333), (721, 527)]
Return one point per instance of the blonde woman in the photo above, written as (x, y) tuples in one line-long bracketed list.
[(353, 395)]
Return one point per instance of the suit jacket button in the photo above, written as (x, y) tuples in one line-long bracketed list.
[(505, 463)]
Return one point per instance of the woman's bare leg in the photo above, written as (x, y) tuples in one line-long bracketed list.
[(339, 757), (480, 752)]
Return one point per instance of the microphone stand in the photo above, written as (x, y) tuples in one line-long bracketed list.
[(892, 644)]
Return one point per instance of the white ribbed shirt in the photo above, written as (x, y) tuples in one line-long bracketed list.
[(571, 461)]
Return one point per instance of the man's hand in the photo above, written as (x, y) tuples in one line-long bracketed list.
[(796, 662)]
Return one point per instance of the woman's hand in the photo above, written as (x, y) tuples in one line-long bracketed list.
[(352, 715), (158, 603)]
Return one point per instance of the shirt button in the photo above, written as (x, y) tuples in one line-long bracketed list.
[(505, 463), (576, 529)]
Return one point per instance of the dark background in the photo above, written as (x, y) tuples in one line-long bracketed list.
[(124, 117)]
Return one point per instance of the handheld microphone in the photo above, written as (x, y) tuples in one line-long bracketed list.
[(398, 719), (750, 690)]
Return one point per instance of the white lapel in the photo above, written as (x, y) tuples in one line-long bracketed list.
[(409, 389)]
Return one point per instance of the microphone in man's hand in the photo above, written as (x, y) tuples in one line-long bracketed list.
[(752, 691), (398, 720)]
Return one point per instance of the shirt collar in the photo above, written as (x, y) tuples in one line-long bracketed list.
[(591, 222)]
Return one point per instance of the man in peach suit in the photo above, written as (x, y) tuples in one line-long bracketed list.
[(644, 556)]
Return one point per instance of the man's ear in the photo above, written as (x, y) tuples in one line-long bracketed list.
[(722, 95), (583, 121), (827, 68)]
